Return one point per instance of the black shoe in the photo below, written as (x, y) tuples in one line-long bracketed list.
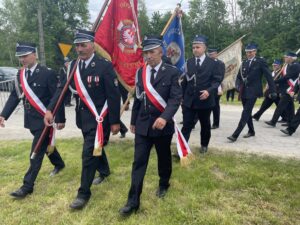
[(20, 193), (55, 171), (232, 138), (127, 210), (281, 121), (270, 123), (99, 180), (214, 127), (255, 118), (161, 191), (286, 131), (203, 149), (78, 203), (285, 124), (249, 135)]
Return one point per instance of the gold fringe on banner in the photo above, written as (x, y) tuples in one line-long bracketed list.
[(50, 149), (187, 160), (97, 151)]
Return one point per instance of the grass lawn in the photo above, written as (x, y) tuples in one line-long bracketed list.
[(219, 188)]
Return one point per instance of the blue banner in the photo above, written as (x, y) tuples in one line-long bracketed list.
[(173, 43)]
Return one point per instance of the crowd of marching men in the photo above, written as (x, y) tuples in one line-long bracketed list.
[(160, 89)]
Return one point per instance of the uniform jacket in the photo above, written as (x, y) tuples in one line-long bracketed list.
[(101, 83), (292, 72), (297, 89), (252, 86), (208, 78), (144, 113), (43, 83)]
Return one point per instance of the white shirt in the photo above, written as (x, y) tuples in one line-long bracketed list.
[(149, 68), (202, 58), (32, 69), (87, 62)]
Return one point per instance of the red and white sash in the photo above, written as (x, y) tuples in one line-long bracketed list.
[(85, 97), (292, 84), (182, 146), (37, 104)]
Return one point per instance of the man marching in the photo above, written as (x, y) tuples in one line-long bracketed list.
[(249, 83), (97, 100), (38, 85), (157, 99)]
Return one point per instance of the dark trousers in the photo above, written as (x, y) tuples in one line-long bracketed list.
[(230, 94), (293, 125), (123, 128), (267, 102), (90, 164), (143, 145), (67, 99), (36, 163), (189, 122), (123, 92), (246, 118), (216, 111), (286, 104)]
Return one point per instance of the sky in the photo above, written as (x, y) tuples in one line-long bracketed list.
[(151, 5)]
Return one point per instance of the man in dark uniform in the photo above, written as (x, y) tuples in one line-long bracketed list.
[(150, 125), (98, 83), (293, 125), (43, 83), (213, 53), (203, 78), (267, 100), (286, 103), (249, 83), (63, 74)]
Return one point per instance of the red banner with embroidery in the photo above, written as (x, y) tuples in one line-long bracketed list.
[(117, 33)]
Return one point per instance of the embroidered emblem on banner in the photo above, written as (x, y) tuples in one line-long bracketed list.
[(127, 36)]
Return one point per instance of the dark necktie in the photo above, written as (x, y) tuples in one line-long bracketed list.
[(198, 63), (28, 74), (82, 66), (153, 71)]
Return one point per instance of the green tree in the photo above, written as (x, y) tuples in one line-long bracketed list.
[(60, 19)]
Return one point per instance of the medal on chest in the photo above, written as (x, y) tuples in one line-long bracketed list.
[(89, 81), (97, 79)]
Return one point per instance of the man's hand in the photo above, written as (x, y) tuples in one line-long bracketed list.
[(204, 94), (159, 124), (48, 118), (132, 129), (60, 126), (2, 119), (115, 128)]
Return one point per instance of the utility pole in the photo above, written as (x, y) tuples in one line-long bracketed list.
[(41, 35)]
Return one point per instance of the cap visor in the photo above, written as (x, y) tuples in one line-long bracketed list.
[(18, 54), (81, 40), (150, 47)]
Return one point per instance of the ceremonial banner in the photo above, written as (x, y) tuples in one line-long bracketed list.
[(117, 34), (232, 58), (173, 40)]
